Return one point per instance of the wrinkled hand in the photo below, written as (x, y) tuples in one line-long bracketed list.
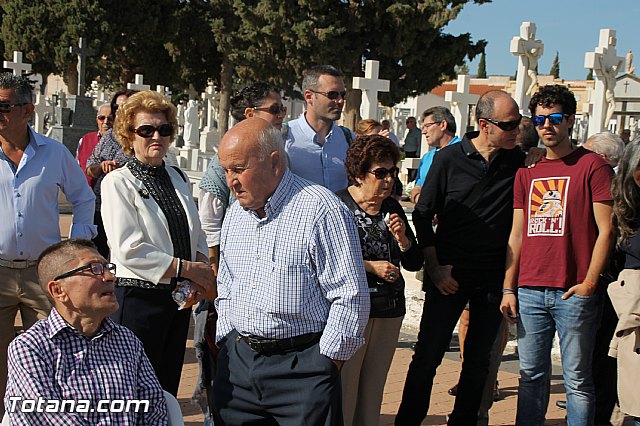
[(202, 279), (581, 289), (508, 307), (398, 229), (385, 270), (444, 282), (108, 166), (533, 156)]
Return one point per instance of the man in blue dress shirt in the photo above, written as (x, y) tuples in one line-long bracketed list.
[(292, 298), (32, 168), (317, 147)]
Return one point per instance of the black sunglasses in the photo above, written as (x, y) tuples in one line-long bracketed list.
[(147, 130), (273, 109), (555, 119), (96, 268), (5, 107), (333, 95), (505, 125), (103, 117), (381, 173)]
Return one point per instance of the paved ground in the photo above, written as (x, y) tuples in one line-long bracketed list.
[(502, 413)]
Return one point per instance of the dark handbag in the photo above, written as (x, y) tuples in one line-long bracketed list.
[(381, 294)]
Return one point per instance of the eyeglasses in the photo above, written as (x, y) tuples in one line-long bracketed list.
[(427, 125), (147, 130), (5, 107), (504, 125), (555, 119), (333, 95), (103, 117), (274, 109), (96, 268), (381, 173)]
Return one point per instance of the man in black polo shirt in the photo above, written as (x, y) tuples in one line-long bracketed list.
[(471, 191)]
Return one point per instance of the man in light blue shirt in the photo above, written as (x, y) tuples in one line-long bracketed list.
[(316, 146), (439, 129), (292, 298), (32, 168)]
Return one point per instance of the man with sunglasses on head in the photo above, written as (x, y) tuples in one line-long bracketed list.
[(78, 353), (316, 146), (104, 120), (32, 168), (470, 189), (559, 244)]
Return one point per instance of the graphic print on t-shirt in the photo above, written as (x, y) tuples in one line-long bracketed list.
[(547, 206)]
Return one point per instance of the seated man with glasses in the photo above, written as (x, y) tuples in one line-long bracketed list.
[(77, 366)]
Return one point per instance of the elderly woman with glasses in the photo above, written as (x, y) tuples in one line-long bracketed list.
[(387, 242), (154, 234)]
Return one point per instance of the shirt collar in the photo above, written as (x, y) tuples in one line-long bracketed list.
[(277, 199), (57, 324), (33, 140), (467, 146), (308, 131)]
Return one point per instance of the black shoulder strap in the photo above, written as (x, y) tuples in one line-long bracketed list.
[(347, 134), (180, 172)]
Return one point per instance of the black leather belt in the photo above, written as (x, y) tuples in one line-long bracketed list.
[(273, 346)]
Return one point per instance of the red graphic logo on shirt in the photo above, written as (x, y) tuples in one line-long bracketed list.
[(547, 206)]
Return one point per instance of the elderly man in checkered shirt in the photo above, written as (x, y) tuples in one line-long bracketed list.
[(77, 367), (292, 298)]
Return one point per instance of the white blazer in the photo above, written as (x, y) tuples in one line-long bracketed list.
[(137, 229)]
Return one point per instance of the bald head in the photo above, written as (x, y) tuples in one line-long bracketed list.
[(486, 106)]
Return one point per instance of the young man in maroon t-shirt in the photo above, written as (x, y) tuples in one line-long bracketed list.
[(559, 244)]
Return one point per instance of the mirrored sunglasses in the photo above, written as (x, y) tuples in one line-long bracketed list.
[(147, 130), (273, 109), (505, 125), (555, 119), (381, 173)]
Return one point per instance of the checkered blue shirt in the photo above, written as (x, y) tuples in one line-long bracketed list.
[(297, 270), (53, 361)]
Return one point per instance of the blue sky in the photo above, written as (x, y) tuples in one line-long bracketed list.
[(571, 27)]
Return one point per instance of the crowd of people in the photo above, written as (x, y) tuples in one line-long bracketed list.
[(294, 259)]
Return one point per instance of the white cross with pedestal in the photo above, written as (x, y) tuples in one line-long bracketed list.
[(138, 83), (83, 51), (459, 103), (17, 66), (370, 86), (525, 47), (40, 107), (605, 65), (208, 96)]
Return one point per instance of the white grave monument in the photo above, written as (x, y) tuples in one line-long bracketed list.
[(459, 103), (189, 153), (138, 83), (17, 66), (83, 51), (605, 65), (370, 86), (40, 108), (209, 138), (528, 50)]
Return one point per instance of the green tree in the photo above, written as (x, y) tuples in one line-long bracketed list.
[(555, 67), (461, 69), (482, 66)]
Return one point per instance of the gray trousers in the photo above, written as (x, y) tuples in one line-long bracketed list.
[(298, 387), (495, 359)]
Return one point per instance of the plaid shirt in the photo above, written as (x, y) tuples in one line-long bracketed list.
[(107, 149), (53, 361), (297, 270)]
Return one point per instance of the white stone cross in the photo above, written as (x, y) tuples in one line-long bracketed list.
[(164, 91), (459, 102), (605, 65), (528, 50), (83, 51), (208, 96), (40, 107), (370, 86), (138, 83), (17, 66)]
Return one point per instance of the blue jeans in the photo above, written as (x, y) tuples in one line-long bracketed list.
[(541, 311)]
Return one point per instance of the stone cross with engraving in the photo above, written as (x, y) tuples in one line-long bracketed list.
[(528, 50), (605, 65), (83, 51), (459, 103), (138, 83), (17, 66), (370, 86)]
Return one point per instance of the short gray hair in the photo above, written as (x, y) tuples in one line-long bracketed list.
[(607, 144), (311, 76), (22, 85), (107, 105), (270, 140), (441, 114)]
